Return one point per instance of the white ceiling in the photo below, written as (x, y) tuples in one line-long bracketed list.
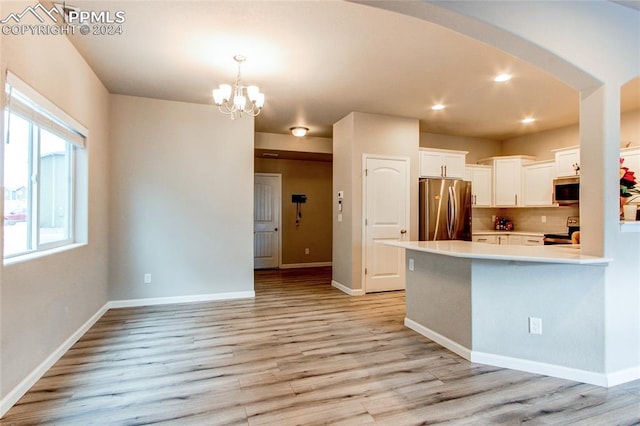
[(316, 61)]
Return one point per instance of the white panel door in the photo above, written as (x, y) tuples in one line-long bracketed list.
[(266, 220), (386, 219)]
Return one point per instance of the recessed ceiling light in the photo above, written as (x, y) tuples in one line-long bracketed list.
[(527, 120), (299, 131), (501, 78), (437, 107)]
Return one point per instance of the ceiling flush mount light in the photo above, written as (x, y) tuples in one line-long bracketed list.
[(527, 120), (232, 100), (501, 78), (299, 131), (437, 107)]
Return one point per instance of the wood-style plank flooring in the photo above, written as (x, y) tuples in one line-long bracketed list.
[(301, 352)]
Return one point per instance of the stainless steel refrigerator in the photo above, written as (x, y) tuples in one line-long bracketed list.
[(445, 210)]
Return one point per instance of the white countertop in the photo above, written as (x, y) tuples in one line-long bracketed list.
[(568, 254)]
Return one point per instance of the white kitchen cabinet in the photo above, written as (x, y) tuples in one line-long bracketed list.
[(507, 179), (537, 183), (484, 238), (480, 178), (441, 163), (508, 238), (533, 240), (515, 240), (567, 160)]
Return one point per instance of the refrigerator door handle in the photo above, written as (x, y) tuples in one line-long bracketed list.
[(452, 209)]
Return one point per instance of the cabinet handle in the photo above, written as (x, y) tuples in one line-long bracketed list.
[(441, 170), (445, 170), (482, 239), (533, 241), (516, 197)]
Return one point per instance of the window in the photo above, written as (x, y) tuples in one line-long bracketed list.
[(41, 183)]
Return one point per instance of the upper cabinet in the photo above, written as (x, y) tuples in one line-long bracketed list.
[(442, 163), (480, 178), (567, 161), (537, 184), (507, 179)]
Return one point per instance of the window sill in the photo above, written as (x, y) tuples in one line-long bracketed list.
[(36, 255)]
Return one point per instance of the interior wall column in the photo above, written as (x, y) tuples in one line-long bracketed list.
[(599, 175)]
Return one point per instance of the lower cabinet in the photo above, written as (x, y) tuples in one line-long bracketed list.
[(509, 238)]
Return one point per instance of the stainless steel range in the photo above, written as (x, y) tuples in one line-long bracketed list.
[(573, 225)]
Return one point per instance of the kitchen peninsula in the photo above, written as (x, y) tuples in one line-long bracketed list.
[(531, 308)]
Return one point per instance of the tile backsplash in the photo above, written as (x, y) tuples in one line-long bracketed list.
[(525, 219)]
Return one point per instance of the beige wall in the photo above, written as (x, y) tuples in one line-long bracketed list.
[(45, 301), (477, 148), (312, 178), (181, 200), (541, 144), (355, 135)]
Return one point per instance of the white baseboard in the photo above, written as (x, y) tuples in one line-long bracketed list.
[(130, 303), (18, 392), (438, 338), (562, 372), (559, 371), (345, 289), (304, 265), (623, 376)]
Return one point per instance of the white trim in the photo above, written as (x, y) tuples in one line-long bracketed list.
[(583, 376), (345, 289), (130, 303), (536, 367), (18, 392), (304, 265), (35, 96), (454, 347), (623, 376)]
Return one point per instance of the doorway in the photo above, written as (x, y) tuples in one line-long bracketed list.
[(267, 241), (386, 191)]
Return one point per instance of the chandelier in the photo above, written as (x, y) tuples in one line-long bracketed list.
[(233, 101)]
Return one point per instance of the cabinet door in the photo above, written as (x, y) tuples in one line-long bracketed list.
[(481, 187), (506, 175), (431, 164), (453, 165), (565, 161), (516, 240), (537, 184), (532, 240), (488, 239)]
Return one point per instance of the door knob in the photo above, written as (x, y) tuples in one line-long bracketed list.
[(276, 230), (403, 231)]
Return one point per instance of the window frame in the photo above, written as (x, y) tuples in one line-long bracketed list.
[(43, 115)]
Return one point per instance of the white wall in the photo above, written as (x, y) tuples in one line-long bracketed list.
[(181, 200), (44, 301), (355, 135)]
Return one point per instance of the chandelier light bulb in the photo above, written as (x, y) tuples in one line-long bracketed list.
[(232, 100)]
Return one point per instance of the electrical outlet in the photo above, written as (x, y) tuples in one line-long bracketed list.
[(543, 219), (411, 265), (306, 251), (535, 325), (147, 278)]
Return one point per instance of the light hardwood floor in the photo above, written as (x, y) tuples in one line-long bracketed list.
[(302, 352)]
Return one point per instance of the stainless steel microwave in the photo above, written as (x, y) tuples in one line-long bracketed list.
[(566, 191)]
